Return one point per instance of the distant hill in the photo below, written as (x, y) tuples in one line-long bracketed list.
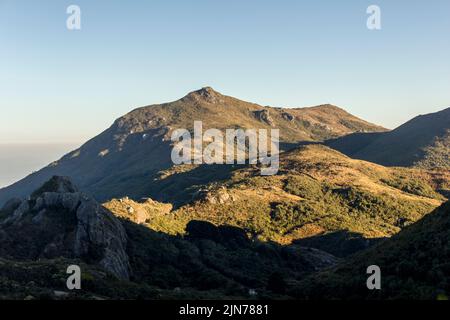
[(423, 141), (320, 198), (124, 159), (414, 265)]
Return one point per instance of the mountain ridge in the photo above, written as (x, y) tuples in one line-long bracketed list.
[(130, 153), (422, 141)]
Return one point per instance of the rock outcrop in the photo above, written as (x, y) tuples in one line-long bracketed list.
[(11, 205), (138, 212), (69, 224), (56, 184), (287, 116), (264, 116), (219, 196), (99, 228)]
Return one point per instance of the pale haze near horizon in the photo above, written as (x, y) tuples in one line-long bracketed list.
[(19, 160)]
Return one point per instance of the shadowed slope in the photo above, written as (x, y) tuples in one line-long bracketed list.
[(414, 265), (423, 141)]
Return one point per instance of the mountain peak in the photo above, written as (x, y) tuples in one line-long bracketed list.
[(329, 108), (140, 141), (206, 93)]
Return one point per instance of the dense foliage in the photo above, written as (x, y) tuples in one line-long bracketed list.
[(414, 265)]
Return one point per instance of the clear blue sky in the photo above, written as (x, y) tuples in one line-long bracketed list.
[(58, 85)]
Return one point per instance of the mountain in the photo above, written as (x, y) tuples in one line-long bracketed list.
[(60, 226), (318, 195), (121, 259), (227, 233), (124, 159), (414, 264), (423, 141)]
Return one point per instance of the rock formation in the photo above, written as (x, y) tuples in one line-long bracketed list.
[(74, 225)]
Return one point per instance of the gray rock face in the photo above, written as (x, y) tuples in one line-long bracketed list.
[(220, 196), (56, 185), (11, 205), (264, 116), (98, 234), (287, 116), (207, 94), (39, 217), (69, 201), (98, 227), (18, 213)]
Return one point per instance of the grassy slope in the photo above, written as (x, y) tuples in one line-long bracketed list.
[(317, 191)]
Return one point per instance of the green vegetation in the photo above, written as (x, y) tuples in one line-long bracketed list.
[(46, 280), (437, 155), (304, 187), (414, 265), (318, 194), (412, 185), (343, 209)]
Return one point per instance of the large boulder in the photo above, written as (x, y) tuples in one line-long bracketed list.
[(138, 212), (59, 221)]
